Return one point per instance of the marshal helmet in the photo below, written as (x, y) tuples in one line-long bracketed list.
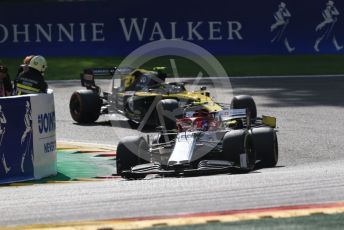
[(39, 63)]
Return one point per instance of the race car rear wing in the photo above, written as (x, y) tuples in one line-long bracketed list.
[(87, 76)]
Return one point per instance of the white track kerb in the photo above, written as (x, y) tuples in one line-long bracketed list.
[(27, 136)]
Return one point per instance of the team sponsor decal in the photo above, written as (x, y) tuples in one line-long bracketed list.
[(47, 126)]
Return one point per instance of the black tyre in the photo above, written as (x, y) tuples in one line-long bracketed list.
[(131, 151), (168, 110), (237, 142), (266, 144), (84, 106), (245, 102)]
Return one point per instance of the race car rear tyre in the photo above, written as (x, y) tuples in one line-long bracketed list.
[(245, 102), (84, 106), (167, 110), (266, 144), (236, 143), (131, 151)]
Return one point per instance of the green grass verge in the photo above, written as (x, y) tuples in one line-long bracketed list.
[(84, 165), (313, 222), (62, 68), (72, 165)]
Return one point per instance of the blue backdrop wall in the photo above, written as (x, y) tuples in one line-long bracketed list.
[(223, 27)]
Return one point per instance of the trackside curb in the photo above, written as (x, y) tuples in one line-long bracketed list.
[(200, 218), (86, 147)]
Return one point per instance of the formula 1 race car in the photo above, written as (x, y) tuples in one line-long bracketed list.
[(233, 139), (135, 93)]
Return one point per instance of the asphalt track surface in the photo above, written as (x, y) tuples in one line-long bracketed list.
[(310, 169)]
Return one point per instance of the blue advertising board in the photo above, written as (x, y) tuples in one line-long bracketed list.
[(223, 27), (27, 137)]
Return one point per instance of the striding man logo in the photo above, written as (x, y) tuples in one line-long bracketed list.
[(279, 27), (26, 138), (327, 28), (3, 122)]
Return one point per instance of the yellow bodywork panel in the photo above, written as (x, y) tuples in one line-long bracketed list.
[(128, 80), (269, 121), (198, 97)]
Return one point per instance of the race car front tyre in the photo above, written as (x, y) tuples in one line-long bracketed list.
[(238, 147), (266, 144), (167, 110), (245, 102), (131, 151), (84, 106)]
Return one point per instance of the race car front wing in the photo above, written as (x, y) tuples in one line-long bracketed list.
[(205, 167)]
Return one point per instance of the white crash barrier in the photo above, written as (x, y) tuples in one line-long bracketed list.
[(27, 137)]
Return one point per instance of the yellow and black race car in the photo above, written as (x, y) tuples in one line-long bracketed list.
[(136, 94)]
